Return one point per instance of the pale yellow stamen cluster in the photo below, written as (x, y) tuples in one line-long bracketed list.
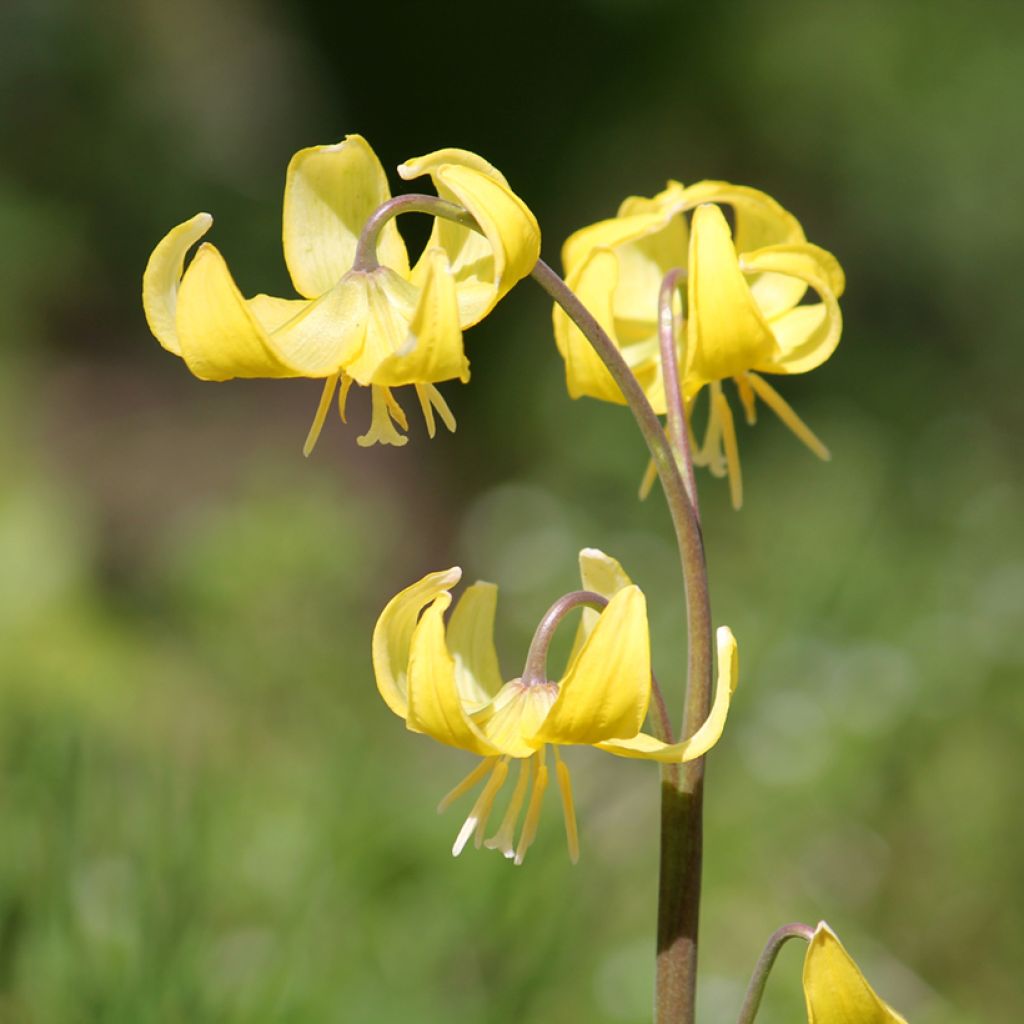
[(720, 450), (529, 792), (385, 412)]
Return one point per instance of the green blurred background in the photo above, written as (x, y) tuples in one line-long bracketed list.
[(207, 814)]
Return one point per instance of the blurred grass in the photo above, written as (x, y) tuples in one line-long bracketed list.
[(207, 813)]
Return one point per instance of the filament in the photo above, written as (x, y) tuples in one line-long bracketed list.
[(785, 412), (466, 784), (477, 820), (572, 834), (732, 451), (540, 782), (502, 839), (321, 414)]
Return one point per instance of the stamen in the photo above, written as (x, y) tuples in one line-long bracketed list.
[(711, 451), (502, 839), (732, 451), (784, 411), (540, 782), (397, 412), (321, 414), (442, 407), (649, 477), (346, 384), (747, 399), (477, 820), (482, 769), (572, 834), (427, 409), (431, 399), (689, 431), (382, 430)]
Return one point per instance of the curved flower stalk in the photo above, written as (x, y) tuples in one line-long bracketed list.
[(834, 988), (743, 313), (445, 681), (381, 324)]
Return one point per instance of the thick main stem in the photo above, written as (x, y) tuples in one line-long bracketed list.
[(682, 787)]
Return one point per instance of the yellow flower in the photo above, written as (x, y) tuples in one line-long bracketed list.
[(835, 990), (445, 682), (743, 313), (382, 327)]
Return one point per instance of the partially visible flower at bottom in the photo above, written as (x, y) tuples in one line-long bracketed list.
[(445, 681), (835, 990)]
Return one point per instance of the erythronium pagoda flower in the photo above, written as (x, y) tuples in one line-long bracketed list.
[(382, 324), (445, 681), (743, 313), (835, 990)]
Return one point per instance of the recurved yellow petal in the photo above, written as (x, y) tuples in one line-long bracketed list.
[(594, 283), (162, 277), (326, 333), (485, 266), (760, 220), (606, 690), (645, 746), (392, 635), (613, 232), (222, 335), (601, 574), (329, 194), (432, 350), (805, 335), (471, 642), (435, 707), (726, 333), (273, 312), (834, 988), (673, 197), (219, 334), (643, 263)]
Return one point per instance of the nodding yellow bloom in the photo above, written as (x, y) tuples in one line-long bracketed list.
[(743, 313), (445, 681), (383, 327), (835, 990)]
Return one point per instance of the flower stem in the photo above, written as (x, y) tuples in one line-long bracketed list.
[(764, 965), (678, 431), (366, 248), (682, 786), (536, 668)]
